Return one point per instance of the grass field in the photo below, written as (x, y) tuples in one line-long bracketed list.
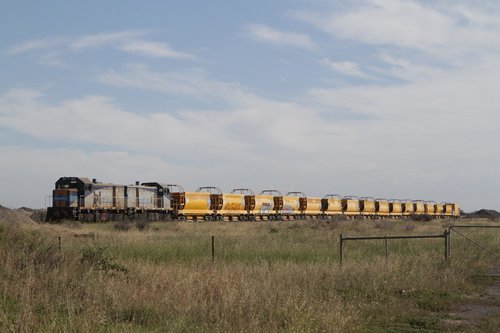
[(266, 277)]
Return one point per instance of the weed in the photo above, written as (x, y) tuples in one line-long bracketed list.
[(96, 257)]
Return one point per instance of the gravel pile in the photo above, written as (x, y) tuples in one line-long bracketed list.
[(485, 213)]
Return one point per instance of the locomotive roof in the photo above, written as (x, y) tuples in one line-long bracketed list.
[(84, 180), (163, 185)]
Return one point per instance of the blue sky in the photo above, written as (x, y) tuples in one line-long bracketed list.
[(385, 98)]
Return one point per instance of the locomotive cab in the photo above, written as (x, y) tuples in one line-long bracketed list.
[(66, 197)]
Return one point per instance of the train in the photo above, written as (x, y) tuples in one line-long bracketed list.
[(82, 199)]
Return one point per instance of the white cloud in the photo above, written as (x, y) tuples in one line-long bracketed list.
[(392, 22), (130, 41), (187, 133), (344, 67), (152, 49), (408, 70), (191, 83), (105, 38), (267, 34), (36, 44), (52, 59), (445, 31)]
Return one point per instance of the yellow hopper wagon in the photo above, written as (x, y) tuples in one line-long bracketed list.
[(418, 207), (291, 206), (382, 207), (331, 205), (367, 207), (430, 208), (408, 207), (285, 207), (259, 207), (227, 206), (395, 208), (247, 214), (309, 207), (191, 205), (350, 206), (448, 209), (456, 210), (439, 212), (313, 207)]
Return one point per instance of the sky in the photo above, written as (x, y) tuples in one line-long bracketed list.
[(380, 98)]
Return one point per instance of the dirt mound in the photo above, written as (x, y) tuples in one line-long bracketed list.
[(485, 213), (31, 210), (21, 215)]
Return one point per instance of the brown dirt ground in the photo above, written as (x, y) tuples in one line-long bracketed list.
[(478, 307)]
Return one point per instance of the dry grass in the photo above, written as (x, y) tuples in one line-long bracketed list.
[(272, 277)]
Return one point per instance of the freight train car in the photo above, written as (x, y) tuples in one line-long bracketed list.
[(260, 206), (395, 208), (192, 205), (331, 205), (382, 207)]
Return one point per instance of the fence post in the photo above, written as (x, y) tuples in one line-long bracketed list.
[(59, 244), (213, 248), (386, 249), (341, 247), (446, 245), (449, 243)]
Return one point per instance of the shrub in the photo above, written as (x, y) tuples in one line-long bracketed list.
[(96, 257), (424, 218), (142, 225), (122, 226)]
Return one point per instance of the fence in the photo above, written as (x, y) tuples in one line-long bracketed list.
[(445, 236), (453, 227)]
